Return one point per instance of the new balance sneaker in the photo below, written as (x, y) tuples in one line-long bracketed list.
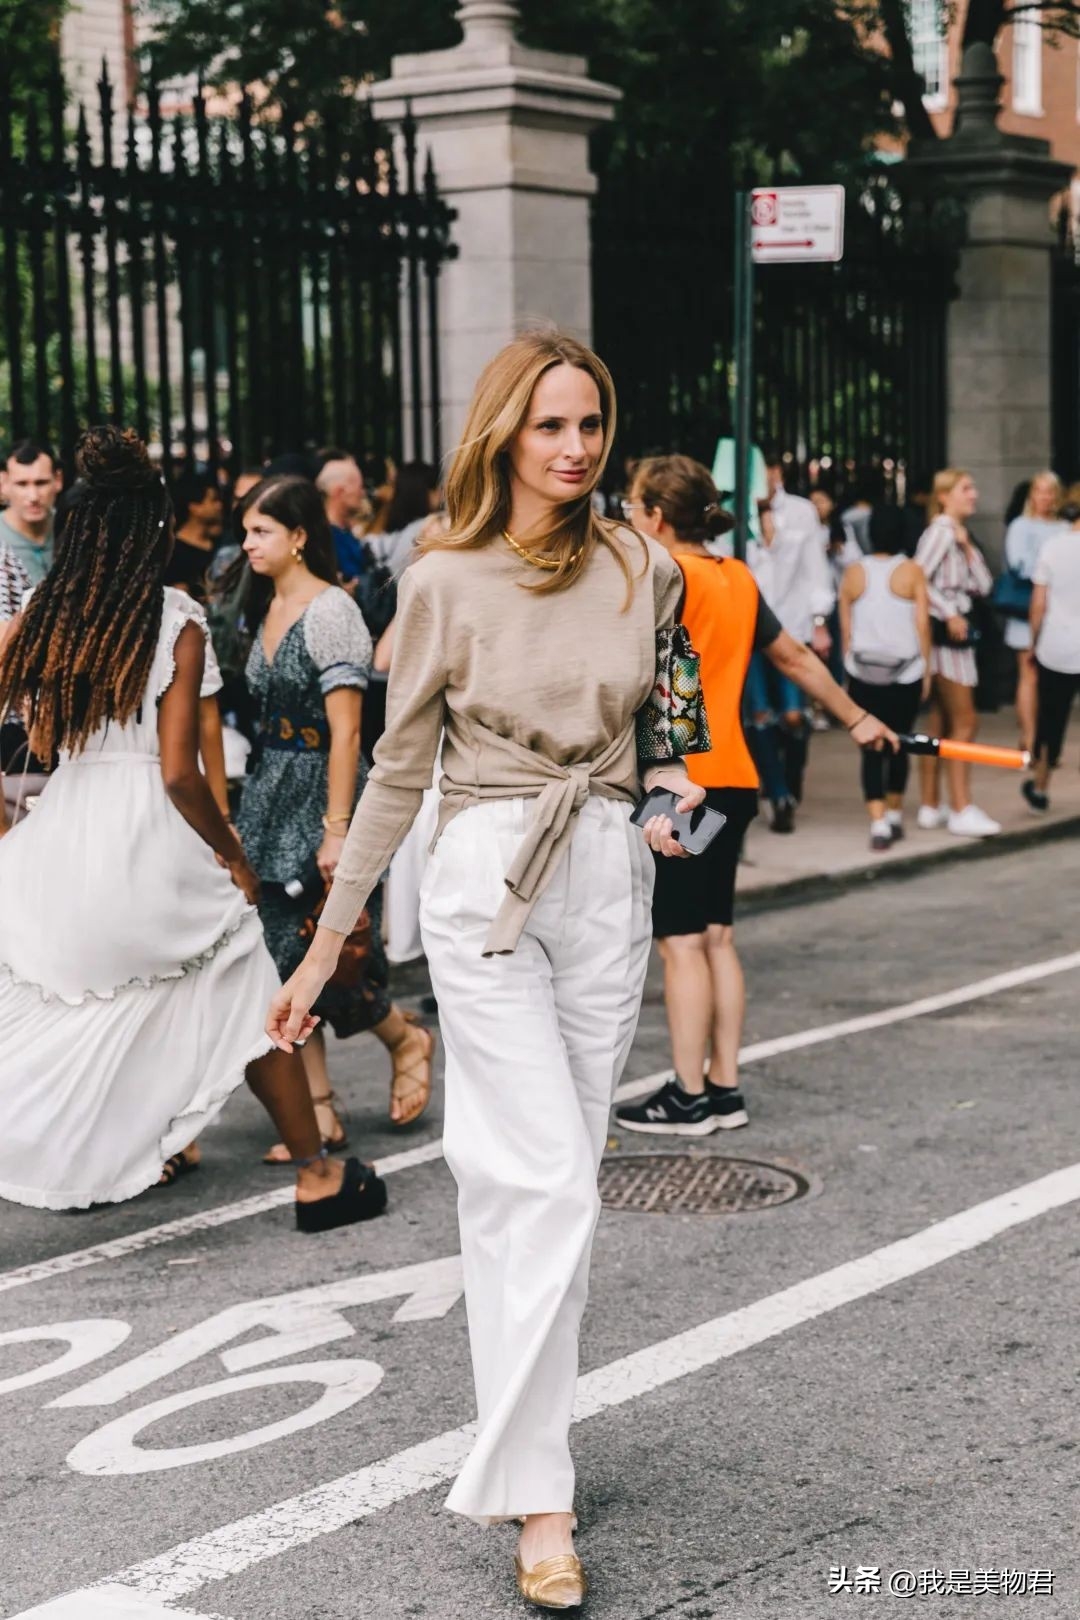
[(671, 1111), (728, 1106), (933, 816), (1039, 802), (971, 822)]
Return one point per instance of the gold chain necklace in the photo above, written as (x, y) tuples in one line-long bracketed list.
[(528, 556), (548, 563)]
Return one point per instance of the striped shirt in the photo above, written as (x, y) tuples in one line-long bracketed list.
[(956, 576)]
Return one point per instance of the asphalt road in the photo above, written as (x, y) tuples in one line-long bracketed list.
[(881, 1375)]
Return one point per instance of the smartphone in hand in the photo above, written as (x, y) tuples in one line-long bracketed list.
[(694, 829)]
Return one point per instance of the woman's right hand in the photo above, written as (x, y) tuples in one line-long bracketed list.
[(957, 627), (290, 1019)]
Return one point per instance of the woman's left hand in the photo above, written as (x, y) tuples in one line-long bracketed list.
[(658, 830), (290, 1020), (329, 853)]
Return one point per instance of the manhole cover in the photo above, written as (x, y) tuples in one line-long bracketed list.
[(696, 1184)]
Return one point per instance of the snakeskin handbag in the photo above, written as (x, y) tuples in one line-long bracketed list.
[(673, 722)]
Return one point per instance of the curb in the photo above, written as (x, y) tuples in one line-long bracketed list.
[(822, 885)]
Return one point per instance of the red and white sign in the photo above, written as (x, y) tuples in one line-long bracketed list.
[(797, 224)]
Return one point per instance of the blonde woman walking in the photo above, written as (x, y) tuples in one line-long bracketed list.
[(530, 633), (956, 577)]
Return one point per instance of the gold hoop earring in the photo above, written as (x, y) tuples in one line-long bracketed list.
[(298, 554)]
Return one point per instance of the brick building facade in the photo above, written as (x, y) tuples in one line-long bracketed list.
[(1041, 95)]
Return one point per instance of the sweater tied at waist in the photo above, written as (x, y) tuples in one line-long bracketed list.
[(559, 801)]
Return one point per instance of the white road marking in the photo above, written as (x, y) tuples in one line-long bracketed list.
[(327, 1508), (879, 1020), (169, 1231), (86, 1341), (305, 1319), (110, 1603), (112, 1449), (116, 1248)]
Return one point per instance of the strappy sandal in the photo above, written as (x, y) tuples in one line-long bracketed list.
[(176, 1166), (332, 1144), (416, 1068)]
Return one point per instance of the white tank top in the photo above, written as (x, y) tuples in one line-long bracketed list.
[(884, 639)]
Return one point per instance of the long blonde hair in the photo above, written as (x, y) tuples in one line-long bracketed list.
[(944, 483), (1047, 476), (478, 485)]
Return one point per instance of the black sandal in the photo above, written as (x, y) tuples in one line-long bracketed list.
[(361, 1196), (175, 1167)]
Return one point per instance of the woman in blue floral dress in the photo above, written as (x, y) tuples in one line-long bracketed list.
[(308, 667)]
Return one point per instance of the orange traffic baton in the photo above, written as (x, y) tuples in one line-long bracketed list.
[(1007, 759)]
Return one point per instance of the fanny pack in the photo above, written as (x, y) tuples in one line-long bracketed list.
[(878, 669)]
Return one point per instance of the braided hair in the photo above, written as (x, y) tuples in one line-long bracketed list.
[(80, 654)]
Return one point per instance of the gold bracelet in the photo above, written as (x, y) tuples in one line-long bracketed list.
[(328, 822)]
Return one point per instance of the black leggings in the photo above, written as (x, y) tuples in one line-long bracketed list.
[(898, 707), (1056, 692)]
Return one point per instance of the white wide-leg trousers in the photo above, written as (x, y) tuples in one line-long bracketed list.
[(535, 1044)]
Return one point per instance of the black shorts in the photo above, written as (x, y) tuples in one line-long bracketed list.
[(690, 894)]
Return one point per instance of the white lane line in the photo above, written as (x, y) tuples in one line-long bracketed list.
[(151, 1236), (110, 1603), (116, 1248), (976, 991), (327, 1508)]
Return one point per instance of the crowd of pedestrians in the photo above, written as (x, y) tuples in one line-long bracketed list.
[(157, 900)]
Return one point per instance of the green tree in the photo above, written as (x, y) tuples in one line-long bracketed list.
[(308, 58)]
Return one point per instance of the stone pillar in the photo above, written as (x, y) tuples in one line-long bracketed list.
[(508, 129), (999, 365)]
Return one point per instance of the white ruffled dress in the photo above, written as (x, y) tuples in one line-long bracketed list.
[(134, 980)]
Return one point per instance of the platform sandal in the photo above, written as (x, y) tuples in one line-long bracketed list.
[(361, 1196)]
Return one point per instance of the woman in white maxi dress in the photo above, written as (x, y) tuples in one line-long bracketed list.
[(133, 972)]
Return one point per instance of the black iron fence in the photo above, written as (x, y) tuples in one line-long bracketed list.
[(229, 287), (1065, 353), (850, 359)]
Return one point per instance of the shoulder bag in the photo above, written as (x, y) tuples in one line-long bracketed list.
[(672, 722)]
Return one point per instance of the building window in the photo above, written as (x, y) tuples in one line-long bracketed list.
[(1027, 66), (928, 25)]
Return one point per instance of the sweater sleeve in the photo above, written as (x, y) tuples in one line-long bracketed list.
[(403, 762), (669, 589)]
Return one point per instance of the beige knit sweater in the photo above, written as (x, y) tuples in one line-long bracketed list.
[(533, 696)]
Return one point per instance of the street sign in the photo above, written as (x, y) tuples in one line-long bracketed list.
[(797, 224)]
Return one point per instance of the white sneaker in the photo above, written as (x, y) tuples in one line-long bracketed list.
[(972, 822), (933, 816)]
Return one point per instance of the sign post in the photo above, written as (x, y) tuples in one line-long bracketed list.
[(773, 225), (744, 369)]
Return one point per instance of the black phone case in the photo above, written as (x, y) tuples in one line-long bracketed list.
[(696, 829)]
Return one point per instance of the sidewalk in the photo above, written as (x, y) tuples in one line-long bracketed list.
[(830, 846)]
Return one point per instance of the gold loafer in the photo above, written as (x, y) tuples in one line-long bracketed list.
[(554, 1583)]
